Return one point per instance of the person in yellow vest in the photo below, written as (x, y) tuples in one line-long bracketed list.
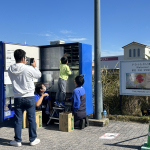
[(63, 76)]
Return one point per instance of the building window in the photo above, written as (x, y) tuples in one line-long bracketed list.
[(134, 53), (138, 52), (130, 53)]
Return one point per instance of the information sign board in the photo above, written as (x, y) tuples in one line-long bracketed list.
[(135, 77)]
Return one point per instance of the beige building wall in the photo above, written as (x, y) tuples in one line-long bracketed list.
[(147, 52), (132, 47)]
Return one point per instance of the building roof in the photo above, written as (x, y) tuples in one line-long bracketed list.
[(136, 44)]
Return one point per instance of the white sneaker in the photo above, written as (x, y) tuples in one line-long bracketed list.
[(15, 143), (36, 141)]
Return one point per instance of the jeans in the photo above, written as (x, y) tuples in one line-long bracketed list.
[(61, 90), (28, 104)]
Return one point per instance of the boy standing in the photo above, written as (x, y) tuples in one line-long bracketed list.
[(63, 76)]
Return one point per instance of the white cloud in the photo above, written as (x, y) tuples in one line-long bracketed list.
[(46, 34), (69, 39), (70, 36), (66, 31), (77, 39), (50, 36)]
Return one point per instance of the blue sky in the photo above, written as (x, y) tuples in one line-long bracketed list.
[(40, 21)]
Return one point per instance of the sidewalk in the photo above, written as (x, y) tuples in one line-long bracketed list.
[(131, 136)]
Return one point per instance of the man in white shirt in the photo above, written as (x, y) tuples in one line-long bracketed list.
[(21, 76)]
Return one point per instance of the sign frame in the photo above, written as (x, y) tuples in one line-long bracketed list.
[(134, 68)]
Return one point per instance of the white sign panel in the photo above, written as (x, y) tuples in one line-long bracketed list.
[(9, 55), (31, 51), (109, 136), (6, 78), (135, 77), (7, 113)]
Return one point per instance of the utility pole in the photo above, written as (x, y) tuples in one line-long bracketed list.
[(97, 62)]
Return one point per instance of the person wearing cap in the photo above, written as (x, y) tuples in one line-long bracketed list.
[(79, 103)]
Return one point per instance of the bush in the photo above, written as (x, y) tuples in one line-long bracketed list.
[(131, 105), (110, 85)]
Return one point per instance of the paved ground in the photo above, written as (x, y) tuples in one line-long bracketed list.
[(131, 136)]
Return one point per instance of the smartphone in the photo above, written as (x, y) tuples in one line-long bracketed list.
[(31, 60)]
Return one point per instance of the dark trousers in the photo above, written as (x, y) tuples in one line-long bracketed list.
[(78, 116), (45, 117), (28, 104)]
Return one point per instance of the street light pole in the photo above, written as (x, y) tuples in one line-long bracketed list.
[(97, 62)]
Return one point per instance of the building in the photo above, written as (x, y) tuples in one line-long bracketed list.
[(136, 51), (132, 51), (109, 62)]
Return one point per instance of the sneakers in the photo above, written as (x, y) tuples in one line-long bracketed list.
[(56, 104), (86, 121), (15, 143), (62, 104), (36, 141), (82, 124)]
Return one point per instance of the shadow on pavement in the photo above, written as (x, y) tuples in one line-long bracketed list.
[(128, 146), (4, 142), (125, 146), (54, 126), (8, 123), (131, 139)]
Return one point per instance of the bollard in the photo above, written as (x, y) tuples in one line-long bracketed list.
[(146, 145)]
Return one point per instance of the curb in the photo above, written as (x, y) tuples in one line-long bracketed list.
[(124, 118)]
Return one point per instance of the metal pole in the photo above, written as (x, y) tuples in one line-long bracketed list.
[(97, 62)]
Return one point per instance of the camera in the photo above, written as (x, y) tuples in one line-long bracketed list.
[(29, 60)]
